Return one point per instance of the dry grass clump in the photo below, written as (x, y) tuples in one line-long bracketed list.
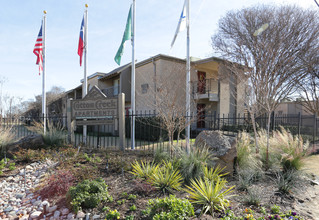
[(286, 151), (54, 135), (6, 137)]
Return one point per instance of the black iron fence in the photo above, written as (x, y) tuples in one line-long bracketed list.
[(151, 131)]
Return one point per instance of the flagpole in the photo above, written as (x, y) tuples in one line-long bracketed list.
[(133, 80), (43, 75), (188, 80), (84, 88)]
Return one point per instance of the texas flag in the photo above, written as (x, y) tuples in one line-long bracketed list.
[(81, 42)]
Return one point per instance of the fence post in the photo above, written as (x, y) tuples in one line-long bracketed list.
[(121, 114), (69, 120), (273, 121), (299, 124)]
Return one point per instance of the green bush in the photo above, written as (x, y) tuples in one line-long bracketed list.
[(88, 194), (169, 208)]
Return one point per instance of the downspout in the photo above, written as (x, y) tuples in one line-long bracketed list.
[(155, 79)]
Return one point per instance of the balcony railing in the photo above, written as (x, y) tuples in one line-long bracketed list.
[(205, 89), (111, 91)]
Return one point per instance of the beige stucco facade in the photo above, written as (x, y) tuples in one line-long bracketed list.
[(160, 83)]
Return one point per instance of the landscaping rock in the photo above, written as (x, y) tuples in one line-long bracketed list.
[(52, 209), (29, 142), (80, 214), (221, 146), (35, 214)]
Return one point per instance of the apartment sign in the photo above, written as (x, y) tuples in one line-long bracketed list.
[(95, 105)]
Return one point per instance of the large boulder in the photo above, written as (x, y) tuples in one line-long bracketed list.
[(33, 142), (221, 146)]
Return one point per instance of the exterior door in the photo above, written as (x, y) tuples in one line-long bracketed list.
[(201, 115), (201, 85)]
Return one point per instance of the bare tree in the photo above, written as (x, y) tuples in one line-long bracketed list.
[(35, 106), (273, 59), (309, 86), (165, 93)]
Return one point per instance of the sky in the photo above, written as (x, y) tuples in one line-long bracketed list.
[(156, 22)]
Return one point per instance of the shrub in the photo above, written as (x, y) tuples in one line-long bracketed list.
[(57, 184), (210, 195), (191, 164), (166, 178), (169, 208), (88, 194), (144, 170)]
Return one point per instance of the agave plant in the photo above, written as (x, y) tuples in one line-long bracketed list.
[(210, 195), (144, 170), (167, 178)]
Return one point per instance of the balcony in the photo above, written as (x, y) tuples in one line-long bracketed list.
[(111, 91), (205, 89)]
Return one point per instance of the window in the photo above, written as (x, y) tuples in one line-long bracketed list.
[(144, 88)]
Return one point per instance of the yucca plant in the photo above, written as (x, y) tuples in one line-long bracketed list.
[(211, 196), (166, 178), (212, 174), (144, 170)]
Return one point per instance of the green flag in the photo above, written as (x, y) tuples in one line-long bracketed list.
[(127, 36)]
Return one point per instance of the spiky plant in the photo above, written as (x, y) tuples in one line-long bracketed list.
[(192, 163), (166, 179), (144, 170), (211, 196), (212, 174)]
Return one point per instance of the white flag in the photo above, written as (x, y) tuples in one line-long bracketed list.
[(181, 23)]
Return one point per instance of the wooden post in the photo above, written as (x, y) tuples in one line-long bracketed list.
[(121, 115)]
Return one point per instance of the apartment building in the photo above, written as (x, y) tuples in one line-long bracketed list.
[(161, 81)]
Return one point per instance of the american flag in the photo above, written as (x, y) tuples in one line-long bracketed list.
[(81, 42), (38, 50)]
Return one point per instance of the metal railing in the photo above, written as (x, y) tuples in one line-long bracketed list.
[(111, 91), (207, 88)]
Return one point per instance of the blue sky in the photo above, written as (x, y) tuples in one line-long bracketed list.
[(156, 21)]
